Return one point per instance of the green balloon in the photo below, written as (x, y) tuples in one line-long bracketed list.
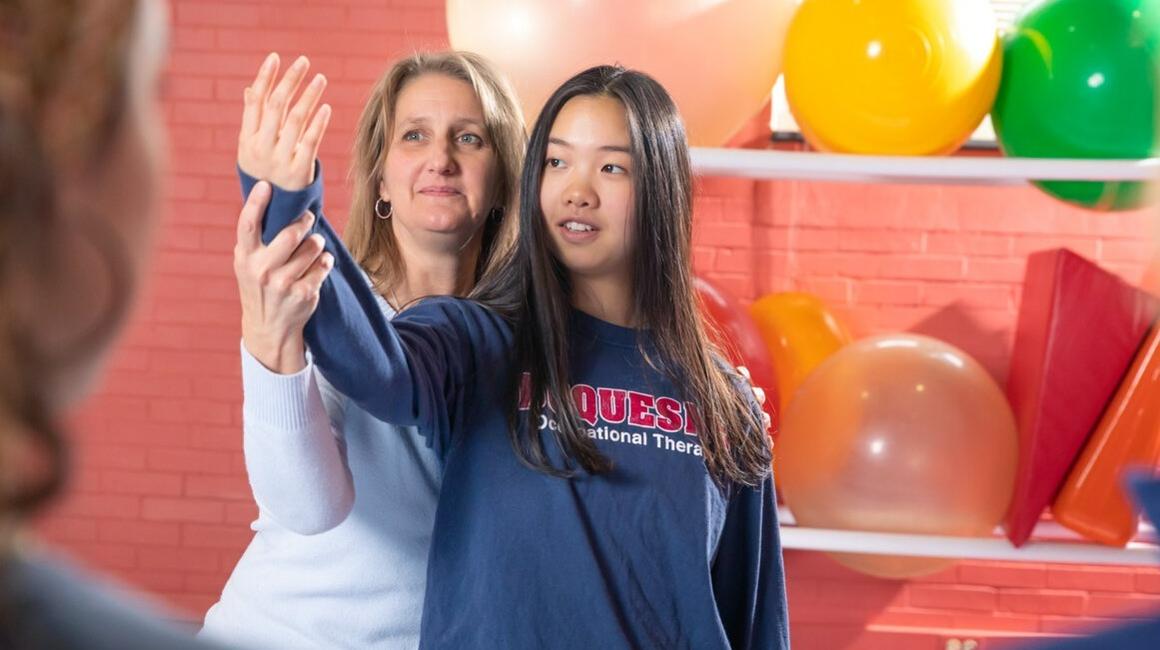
[(1080, 81)]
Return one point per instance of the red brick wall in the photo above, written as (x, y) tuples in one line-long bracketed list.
[(160, 499)]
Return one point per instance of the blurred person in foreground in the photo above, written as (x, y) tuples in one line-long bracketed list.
[(81, 159)]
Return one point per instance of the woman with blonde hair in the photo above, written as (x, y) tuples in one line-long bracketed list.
[(81, 149), (347, 502)]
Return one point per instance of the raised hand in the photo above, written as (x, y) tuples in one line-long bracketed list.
[(278, 143), (278, 284)]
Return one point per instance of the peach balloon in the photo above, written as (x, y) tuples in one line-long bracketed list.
[(899, 433), (717, 58)]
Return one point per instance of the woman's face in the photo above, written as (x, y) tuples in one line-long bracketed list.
[(586, 193), (441, 170)]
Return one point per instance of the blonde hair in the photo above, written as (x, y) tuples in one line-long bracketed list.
[(63, 90), (371, 241)]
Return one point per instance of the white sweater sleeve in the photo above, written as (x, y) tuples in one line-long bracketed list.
[(294, 454)]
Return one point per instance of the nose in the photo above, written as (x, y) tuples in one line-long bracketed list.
[(442, 159), (579, 193)]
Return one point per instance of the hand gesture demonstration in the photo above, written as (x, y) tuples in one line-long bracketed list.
[(277, 143), (279, 283)]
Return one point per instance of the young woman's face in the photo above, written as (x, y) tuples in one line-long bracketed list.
[(441, 170), (587, 189)]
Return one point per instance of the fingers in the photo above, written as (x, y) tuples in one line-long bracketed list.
[(267, 72), (312, 280), (296, 119), (759, 393), (307, 150), (250, 219), (255, 95), (766, 421), (274, 109), (300, 261), (287, 241)]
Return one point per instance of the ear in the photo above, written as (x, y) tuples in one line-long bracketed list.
[(383, 188)]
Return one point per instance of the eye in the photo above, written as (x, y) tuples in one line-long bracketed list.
[(471, 139), (613, 169), (412, 136), (555, 162)]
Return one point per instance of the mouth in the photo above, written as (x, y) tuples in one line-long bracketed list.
[(577, 226), (439, 190), (577, 231)]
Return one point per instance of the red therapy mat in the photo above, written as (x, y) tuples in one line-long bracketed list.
[(1079, 328)]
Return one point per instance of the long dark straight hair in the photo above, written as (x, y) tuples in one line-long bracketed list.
[(534, 290)]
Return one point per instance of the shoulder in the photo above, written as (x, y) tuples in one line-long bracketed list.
[(63, 607), (384, 306), (466, 316)]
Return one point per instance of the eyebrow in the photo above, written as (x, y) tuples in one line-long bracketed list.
[(459, 122), (616, 148)]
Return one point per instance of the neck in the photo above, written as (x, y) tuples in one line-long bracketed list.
[(435, 272), (607, 298)]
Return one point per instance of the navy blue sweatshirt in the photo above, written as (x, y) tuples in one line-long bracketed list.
[(650, 555)]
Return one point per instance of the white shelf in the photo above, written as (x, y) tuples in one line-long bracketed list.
[(1050, 543), (967, 548), (956, 170)]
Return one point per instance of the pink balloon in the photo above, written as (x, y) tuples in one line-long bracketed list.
[(717, 58)]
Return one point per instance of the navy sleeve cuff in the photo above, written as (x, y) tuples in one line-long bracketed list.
[(286, 206)]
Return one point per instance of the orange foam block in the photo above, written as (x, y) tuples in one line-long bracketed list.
[(1079, 328), (1093, 501)]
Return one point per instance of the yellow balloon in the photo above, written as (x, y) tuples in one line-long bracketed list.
[(800, 332), (905, 77), (899, 433), (717, 58)]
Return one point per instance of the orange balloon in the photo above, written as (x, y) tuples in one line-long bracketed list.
[(800, 332), (899, 433), (717, 59)]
